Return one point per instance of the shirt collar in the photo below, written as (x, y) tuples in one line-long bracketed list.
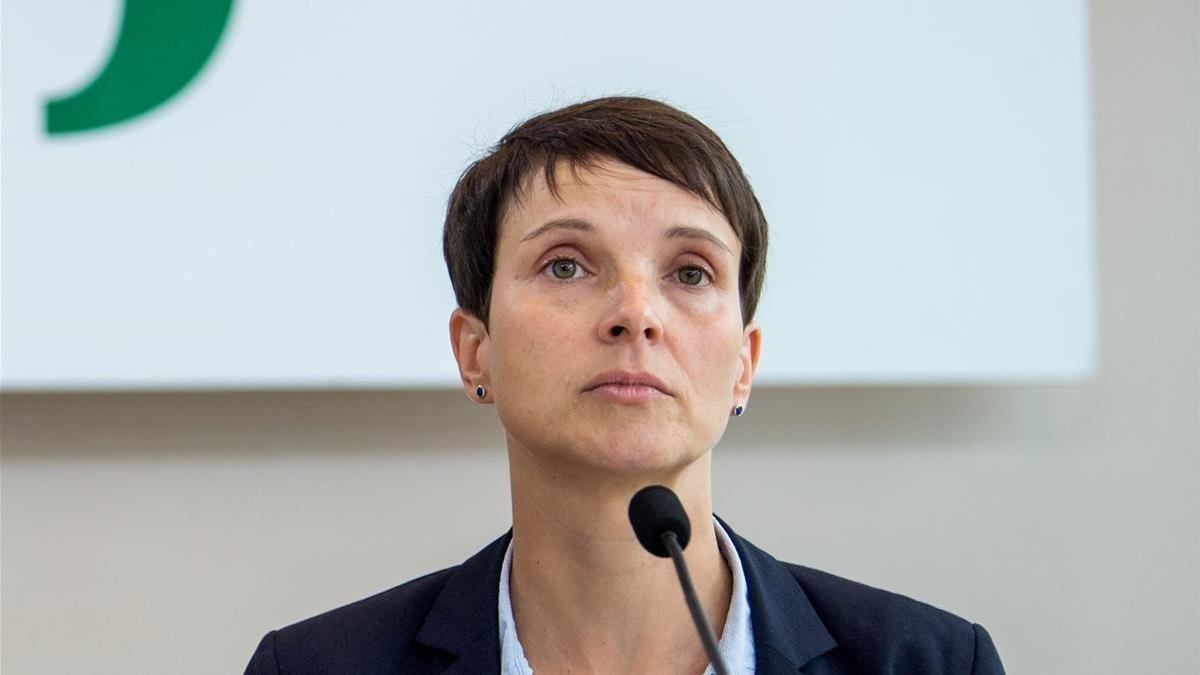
[(737, 638)]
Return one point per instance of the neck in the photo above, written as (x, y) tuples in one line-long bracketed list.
[(586, 596)]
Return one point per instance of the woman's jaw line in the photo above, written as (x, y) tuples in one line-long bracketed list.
[(616, 468)]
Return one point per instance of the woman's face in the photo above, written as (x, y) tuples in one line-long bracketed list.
[(622, 277)]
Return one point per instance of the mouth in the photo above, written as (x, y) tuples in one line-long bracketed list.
[(622, 386)]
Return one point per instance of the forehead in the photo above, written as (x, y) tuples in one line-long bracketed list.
[(607, 187)]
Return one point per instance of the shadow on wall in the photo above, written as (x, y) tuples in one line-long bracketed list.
[(818, 420)]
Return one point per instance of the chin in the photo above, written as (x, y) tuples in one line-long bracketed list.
[(636, 452), (623, 446)]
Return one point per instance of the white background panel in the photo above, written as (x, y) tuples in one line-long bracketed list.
[(925, 168)]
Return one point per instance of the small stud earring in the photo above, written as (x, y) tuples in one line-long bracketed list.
[(738, 410), (480, 391)]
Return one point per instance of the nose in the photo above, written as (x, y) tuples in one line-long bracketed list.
[(633, 314)]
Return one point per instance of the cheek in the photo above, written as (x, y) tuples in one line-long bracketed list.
[(529, 349), (713, 364)]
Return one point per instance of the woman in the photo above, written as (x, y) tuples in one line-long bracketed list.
[(607, 259)]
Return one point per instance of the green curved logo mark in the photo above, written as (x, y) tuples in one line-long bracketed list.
[(161, 47)]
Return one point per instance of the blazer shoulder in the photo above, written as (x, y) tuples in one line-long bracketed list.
[(369, 634), (877, 630)]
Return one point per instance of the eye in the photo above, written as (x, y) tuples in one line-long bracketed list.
[(691, 275), (563, 268)]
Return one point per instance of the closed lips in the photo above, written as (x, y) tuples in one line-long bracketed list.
[(628, 379)]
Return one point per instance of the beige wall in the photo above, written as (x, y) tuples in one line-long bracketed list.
[(166, 533)]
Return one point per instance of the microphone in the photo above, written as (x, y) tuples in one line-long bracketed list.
[(662, 527)]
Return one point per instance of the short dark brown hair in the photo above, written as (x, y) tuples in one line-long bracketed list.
[(643, 133)]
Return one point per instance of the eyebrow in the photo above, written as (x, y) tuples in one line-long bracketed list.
[(567, 223), (687, 232), (677, 232)]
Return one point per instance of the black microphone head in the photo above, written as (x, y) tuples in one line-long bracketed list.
[(655, 510)]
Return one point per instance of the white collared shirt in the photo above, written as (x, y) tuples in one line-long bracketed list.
[(737, 639)]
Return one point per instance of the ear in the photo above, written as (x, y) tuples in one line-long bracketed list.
[(751, 346), (470, 340)]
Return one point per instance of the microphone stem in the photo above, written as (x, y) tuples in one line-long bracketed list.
[(689, 593)]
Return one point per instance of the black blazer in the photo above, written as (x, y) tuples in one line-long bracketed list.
[(803, 620)]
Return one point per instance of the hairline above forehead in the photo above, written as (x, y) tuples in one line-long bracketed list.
[(594, 163)]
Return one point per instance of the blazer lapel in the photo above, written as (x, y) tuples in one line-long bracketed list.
[(787, 631), (464, 620)]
